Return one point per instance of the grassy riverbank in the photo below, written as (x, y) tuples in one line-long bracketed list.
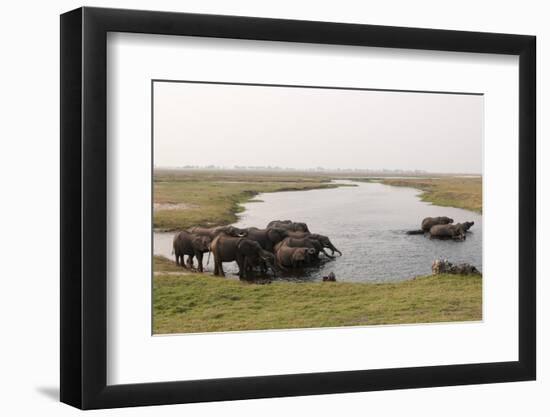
[(446, 191), (189, 303), (185, 198)]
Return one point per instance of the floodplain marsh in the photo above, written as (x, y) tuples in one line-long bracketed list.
[(189, 302)]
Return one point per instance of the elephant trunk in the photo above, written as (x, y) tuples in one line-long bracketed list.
[(333, 249)]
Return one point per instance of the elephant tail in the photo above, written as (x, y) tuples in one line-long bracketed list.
[(415, 232)]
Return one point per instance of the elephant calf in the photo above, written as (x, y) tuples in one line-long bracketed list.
[(287, 257), (186, 243)]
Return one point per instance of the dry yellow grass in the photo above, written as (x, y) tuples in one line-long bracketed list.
[(446, 191)]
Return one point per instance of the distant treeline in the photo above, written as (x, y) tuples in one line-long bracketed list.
[(315, 169)]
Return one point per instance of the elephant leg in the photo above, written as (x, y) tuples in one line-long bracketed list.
[(190, 261), (241, 263), (199, 261), (216, 270), (218, 267)]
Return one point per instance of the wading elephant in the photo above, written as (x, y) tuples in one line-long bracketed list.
[(289, 225), (324, 240), (186, 243), (428, 223), (267, 238), (287, 257), (304, 242), (212, 232), (264, 262), (242, 250), (448, 231)]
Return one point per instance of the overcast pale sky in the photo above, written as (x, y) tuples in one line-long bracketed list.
[(228, 125)]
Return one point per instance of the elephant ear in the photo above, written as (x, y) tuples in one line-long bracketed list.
[(206, 241), (275, 234), (248, 247), (199, 242)]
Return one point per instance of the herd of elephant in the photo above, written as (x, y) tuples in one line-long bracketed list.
[(442, 228), (281, 246)]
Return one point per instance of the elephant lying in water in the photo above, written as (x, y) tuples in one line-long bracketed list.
[(429, 222), (245, 252), (289, 225), (186, 243), (448, 231)]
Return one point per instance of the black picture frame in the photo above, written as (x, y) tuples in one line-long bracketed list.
[(84, 207)]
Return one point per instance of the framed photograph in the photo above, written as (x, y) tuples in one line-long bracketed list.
[(257, 208)]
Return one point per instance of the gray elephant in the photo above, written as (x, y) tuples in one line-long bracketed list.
[(267, 238), (186, 243), (212, 232), (304, 242), (242, 250), (289, 225), (287, 257), (428, 223), (448, 231), (324, 240)]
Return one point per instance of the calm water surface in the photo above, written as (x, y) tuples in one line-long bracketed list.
[(367, 223)]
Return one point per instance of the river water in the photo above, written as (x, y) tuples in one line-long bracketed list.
[(367, 223)]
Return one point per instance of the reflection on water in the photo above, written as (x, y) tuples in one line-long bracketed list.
[(367, 223)]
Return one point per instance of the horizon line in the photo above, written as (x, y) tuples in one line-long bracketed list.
[(319, 170)]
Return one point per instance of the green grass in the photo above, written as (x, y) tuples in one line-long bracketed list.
[(194, 303), (213, 198), (447, 191), (187, 302)]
